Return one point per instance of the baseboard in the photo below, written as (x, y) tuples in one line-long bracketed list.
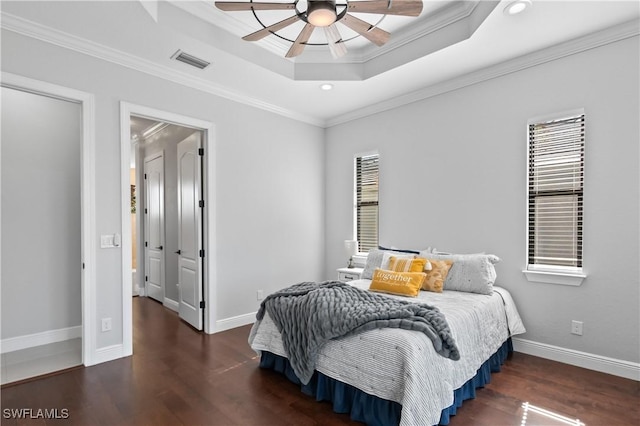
[(108, 353), (237, 321), (616, 367), (171, 304), (38, 339)]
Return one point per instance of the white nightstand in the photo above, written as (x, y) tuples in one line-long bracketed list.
[(349, 274)]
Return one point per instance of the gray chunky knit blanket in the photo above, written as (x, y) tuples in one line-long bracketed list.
[(310, 314)]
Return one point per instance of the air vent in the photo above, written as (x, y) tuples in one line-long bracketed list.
[(190, 60)]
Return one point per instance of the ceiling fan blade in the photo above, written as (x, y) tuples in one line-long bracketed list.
[(387, 7), (366, 30), (334, 39), (258, 35), (234, 6), (301, 42)]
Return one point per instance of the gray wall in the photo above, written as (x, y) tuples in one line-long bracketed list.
[(40, 214), (453, 170), (269, 207)]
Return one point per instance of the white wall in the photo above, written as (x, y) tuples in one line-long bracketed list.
[(271, 186), (452, 176), (269, 206), (40, 214)]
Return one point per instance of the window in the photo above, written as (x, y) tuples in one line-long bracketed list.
[(555, 196), (366, 202)]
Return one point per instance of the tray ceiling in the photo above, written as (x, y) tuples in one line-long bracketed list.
[(452, 44), (441, 24)]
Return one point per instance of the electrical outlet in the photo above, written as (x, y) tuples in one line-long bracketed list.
[(260, 294), (106, 324), (576, 327)]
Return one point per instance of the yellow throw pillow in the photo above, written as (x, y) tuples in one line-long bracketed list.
[(400, 264), (434, 280), (402, 283)]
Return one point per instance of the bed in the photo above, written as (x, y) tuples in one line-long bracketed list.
[(394, 376)]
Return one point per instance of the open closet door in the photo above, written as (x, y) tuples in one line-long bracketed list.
[(190, 252), (154, 226)]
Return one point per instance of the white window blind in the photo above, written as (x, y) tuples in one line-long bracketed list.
[(367, 202), (555, 192)]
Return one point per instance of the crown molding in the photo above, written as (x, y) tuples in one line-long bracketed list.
[(68, 41), (214, 16), (591, 41), (442, 19), (52, 36)]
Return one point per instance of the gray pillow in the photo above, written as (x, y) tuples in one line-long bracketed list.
[(473, 273), (374, 260)]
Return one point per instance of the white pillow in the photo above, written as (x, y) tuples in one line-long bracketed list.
[(473, 273), (374, 260)]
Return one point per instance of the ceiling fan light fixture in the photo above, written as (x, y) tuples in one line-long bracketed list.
[(325, 14), (321, 13)]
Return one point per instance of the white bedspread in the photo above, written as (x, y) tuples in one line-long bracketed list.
[(401, 365)]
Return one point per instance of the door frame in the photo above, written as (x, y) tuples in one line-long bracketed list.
[(209, 225), (87, 198)]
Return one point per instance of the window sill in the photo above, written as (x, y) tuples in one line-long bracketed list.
[(552, 277)]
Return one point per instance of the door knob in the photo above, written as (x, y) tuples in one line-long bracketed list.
[(159, 248), (178, 252)]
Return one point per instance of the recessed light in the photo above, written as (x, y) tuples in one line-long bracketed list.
[(326, 86), (516, 7)]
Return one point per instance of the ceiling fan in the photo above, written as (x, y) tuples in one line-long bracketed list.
[(325, 14)]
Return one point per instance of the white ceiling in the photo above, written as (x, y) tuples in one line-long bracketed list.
[(148, 131), (258, 73), (140, 125)]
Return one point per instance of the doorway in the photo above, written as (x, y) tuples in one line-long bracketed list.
[(47, 147), (156, 142), (169, 232)]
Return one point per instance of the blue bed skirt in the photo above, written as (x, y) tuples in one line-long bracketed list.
[(373, 410)]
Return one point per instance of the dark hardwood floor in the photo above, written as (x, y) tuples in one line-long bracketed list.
[(180, 377)]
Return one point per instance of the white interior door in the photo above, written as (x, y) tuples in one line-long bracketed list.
[(190, 231), (154, 226)]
